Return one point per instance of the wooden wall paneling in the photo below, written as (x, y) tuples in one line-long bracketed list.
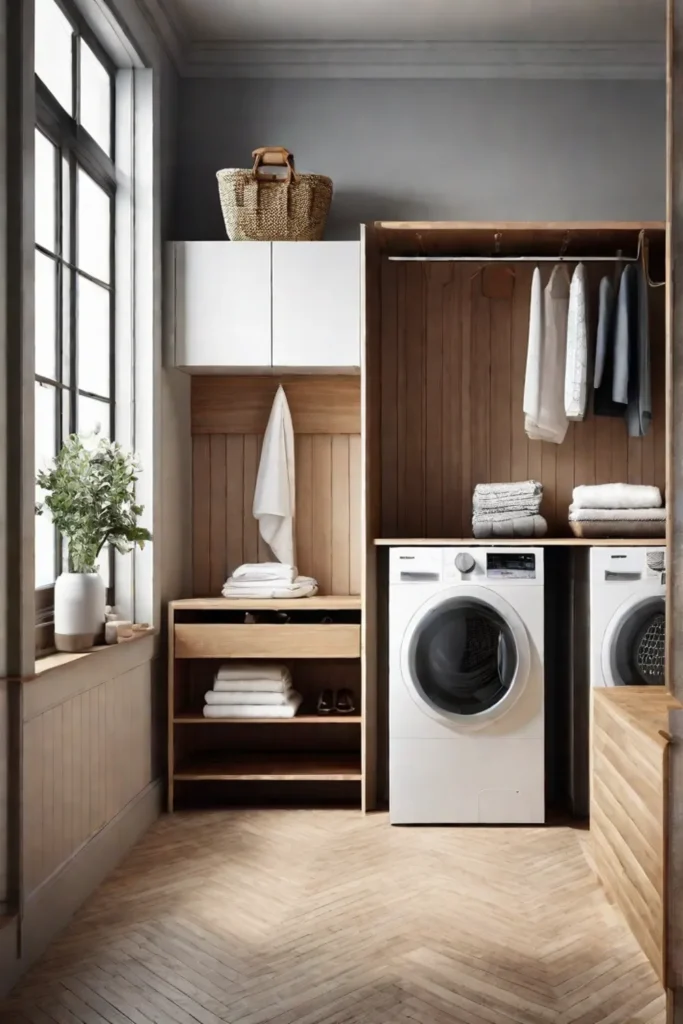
[(201, 513), (236, 504), (340, 499), (251, 534), (451, 469), (355, 514), (219, 510), (460, 336), (319, 403), (327, 512), (321, 498), (462, 342), (435, 440)]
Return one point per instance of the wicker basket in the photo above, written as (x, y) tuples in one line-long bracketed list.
[(267, 207)]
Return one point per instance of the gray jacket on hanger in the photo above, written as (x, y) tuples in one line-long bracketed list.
[(631, 385)]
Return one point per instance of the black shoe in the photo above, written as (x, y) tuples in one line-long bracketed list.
[(343, 703), (326, 702)]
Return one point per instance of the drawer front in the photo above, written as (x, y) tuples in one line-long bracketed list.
[(203, 640)]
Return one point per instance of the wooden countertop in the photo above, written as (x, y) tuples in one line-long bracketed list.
[(518, 542), (644, 709)]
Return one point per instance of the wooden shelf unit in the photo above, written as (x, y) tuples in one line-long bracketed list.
[(203, 632)]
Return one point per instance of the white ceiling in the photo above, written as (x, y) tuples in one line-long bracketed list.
[(533, 21)]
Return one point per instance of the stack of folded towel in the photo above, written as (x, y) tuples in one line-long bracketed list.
[(617, 510), (269, 579), (508, 510), (250, 690)]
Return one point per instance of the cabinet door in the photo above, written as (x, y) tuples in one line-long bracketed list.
[(222, 304), (316, 304)]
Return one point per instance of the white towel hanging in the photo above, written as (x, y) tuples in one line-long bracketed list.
[(576, 372), (274, 496)]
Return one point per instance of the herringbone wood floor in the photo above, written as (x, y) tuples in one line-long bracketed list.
[(324, 917)]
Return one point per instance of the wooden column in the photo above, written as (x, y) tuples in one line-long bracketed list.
[(673, 881)]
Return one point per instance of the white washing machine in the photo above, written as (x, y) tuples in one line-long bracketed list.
[(466, 708), (627, 591)]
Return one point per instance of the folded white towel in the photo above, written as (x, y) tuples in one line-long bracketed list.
[(240, 671), (245, 697), (522, 526), (255, 572), (287, 710), (500, 517), (613, 496), (303, 586), (520, 498), (252, 686), (606, 515)]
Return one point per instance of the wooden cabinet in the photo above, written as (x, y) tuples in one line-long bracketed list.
[(316, 304), (222, 304), (265, 306)]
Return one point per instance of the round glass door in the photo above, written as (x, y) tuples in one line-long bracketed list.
[(463, 657), (636, 645)]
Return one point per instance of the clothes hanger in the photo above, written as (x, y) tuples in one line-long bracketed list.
[(644, 256)]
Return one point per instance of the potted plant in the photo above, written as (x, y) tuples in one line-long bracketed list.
[(90, 493)]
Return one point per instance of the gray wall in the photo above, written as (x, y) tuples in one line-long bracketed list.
[(471, 150)]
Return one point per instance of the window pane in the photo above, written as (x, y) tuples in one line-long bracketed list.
[(95, 98), (93, 415), (46, 188), (45, 449), (46, 316), (66, 331), (66, 207), (93, 338), (53, 37), (93, 228)]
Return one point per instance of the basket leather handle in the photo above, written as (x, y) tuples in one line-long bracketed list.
[(273, 156)]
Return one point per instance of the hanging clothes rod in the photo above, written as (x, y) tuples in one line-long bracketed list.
[(514, 259)]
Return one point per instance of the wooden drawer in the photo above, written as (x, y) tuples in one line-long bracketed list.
[(217, 640)]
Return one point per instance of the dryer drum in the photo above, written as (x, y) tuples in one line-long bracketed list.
[(649, 651)]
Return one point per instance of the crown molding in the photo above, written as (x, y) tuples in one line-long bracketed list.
[(616, 61), (166, 21)]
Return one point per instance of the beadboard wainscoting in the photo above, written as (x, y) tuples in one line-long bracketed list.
[(89, 787)]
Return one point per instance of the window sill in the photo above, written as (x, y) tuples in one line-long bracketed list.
[(50, 662)]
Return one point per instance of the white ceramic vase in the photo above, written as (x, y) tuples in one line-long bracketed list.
[(80, 599)]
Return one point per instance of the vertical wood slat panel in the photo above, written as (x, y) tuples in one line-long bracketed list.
[(327, 517), (478, 385), (90, 756)]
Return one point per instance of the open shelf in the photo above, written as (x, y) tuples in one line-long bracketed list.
[(321, 602), (518, 542), (192, 718), (221, 766)]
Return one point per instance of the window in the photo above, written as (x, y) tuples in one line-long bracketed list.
[(75, 185)]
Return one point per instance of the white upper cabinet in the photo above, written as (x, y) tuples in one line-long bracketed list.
[(222, 304), (316, 304)]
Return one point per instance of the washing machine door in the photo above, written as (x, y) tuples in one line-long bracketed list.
[(633, 645), (465, 656)]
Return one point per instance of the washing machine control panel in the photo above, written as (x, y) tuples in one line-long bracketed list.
[(515, 565), (461, 565)]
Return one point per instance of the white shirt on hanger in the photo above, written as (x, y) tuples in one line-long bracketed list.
[(544, 411)]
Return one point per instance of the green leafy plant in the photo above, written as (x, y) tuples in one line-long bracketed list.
[(90, 492)]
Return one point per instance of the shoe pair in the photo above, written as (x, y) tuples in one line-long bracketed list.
[(336, 702)]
